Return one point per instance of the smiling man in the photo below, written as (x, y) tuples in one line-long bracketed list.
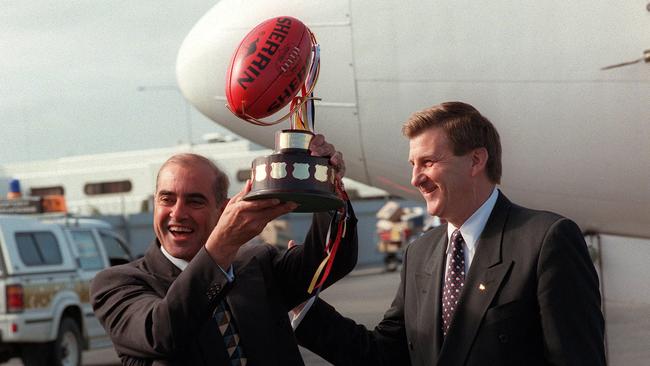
[(182, 232), (498, 284), (203, 294)]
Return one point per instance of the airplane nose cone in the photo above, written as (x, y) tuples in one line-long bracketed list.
[(203, 58)]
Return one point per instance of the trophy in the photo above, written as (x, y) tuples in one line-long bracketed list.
[(276, 61)]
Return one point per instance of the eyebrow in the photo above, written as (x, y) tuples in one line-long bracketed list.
[(189, 195), (196, 195)]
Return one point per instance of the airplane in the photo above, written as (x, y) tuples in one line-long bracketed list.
[(576, 138), (566, 83)]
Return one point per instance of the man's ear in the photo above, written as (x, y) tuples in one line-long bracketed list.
[(479, 160)]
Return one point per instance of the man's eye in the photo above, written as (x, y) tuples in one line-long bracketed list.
[(197, 203), (165, 199)]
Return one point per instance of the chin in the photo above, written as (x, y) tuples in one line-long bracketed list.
[(433, 209), (183, 253), (175, 248)]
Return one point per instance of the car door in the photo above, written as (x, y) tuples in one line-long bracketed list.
[(90, 260)]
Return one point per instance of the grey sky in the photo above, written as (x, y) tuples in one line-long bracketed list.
[(70, 72)]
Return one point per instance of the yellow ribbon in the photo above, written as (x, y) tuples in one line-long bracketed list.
[(317, 274)]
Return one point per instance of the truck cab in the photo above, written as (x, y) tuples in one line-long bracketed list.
[(46, 266)]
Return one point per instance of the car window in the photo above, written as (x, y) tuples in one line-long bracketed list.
[(38, 248), (89, 256), (115, 249)]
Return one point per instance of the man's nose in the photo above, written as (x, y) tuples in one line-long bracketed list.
[(416, 177), (179, 210)]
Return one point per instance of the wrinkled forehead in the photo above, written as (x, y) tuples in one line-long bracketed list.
[(432, 141), (186, 172)]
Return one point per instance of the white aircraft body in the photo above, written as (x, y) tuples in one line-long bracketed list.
[(576, 138)]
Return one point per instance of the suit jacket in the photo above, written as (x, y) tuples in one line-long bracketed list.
[(156, 314), (531, 297)]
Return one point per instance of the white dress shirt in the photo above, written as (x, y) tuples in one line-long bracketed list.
[(471, 230)]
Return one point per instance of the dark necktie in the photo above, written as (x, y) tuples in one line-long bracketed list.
[(454, 280), (228, 330)]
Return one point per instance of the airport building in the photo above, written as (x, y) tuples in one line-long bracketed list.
[(119, 188)]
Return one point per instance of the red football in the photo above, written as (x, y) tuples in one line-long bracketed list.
[(269, 67)]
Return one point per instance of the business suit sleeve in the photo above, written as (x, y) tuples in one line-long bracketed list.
[(295, 267), (569, 299), (145, 319), (341, 341)]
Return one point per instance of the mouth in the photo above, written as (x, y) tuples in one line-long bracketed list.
[(427, 191), (180, 231)]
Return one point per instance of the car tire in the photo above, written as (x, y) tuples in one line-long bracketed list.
[(66, 350)]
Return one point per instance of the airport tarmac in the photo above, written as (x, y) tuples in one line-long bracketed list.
[(364, 296), (366, 293)]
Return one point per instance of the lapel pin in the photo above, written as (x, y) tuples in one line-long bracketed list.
[(481, 287)]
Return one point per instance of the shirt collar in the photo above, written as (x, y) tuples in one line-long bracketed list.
[(472, 228), (180, 263)]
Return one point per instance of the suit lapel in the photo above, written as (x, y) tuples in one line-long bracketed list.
[(211, 343), (242, 299), (245, 301), (484, 279), (428, 281), (159, 266)]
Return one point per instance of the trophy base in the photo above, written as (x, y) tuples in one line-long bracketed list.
[(307, 201), (293, 175)]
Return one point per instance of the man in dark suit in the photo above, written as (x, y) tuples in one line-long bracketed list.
[(498, 284), (203, 294)]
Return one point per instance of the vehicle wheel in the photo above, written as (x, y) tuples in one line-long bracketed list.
[(66, 349), (35, 354), (391, 262)]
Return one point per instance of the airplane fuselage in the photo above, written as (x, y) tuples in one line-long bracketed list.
[(575, 137)]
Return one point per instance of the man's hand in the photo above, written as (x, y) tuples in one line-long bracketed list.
[(320, 147), (241, 221)]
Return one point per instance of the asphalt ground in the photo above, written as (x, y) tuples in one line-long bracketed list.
[(365, 294)]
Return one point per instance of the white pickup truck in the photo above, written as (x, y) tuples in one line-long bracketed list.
[(46, 265)]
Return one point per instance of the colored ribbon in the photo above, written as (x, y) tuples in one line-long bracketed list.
[(340, 220)]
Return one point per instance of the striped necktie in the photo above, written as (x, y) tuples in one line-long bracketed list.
[(228, 330), (454, 280)]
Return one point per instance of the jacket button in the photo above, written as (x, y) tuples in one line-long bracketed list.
[(503, 338), (411, 346)]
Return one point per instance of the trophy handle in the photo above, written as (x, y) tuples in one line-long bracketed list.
[(301, 101)]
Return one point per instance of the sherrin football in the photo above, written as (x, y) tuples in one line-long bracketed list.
[(269, 67)]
